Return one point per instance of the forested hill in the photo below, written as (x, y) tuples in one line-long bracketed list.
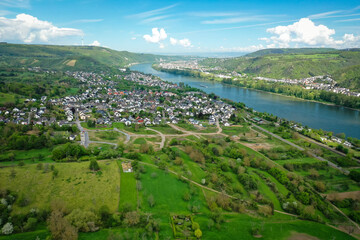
[(70, 57), (343, 65), (269, 51)]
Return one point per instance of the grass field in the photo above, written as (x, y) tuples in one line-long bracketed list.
[(75, 185), (130, 129), (297, 161), (106, 136), (28, 156), (186, 126), (128, 193), (266, 191), (235, 130), (276, 227), (166, 129)]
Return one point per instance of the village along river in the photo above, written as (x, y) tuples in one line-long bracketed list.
[(315, 115)]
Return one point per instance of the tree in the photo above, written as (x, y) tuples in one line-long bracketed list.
[(198, 233), (94, 166), (132, 218), (151, 200), (84, 221), (60, 228), (7, 229), (195, 226)]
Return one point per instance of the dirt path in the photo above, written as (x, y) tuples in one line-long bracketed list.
[(162, 143)]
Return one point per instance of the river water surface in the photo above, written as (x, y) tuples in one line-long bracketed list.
[(315, 115)]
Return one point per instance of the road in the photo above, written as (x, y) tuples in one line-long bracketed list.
[(84, 135), (333, 165)]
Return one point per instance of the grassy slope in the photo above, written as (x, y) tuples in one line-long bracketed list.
[(75, 185), (58, 57)]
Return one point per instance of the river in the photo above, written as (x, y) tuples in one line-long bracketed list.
[(312, 114)]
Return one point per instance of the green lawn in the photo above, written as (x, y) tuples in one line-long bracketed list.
[(238, 226), (75, 184), (168, 193), (28, 156), (128, 192), (266, 191), (299, 160), (186, 126), (196, 170), (166, 129), (140, 130), (235, 130)]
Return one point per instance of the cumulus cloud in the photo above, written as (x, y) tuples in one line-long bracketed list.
[(305, 32), (95, 43), (182, 42), (28, 29), (156, 36)]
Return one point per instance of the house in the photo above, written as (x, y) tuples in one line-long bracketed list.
[(72, 137)]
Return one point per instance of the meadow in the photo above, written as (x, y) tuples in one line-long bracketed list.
[(75, 184)]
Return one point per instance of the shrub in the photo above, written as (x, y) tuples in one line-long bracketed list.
[(355, 175), (132, 218), (7, 229), (84, 221), (198, 233), (94, 166)]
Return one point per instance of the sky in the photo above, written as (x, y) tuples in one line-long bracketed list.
[(196, 26)]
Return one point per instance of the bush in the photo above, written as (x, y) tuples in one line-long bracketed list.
[(84, 221), (94, 166), (7, 229), (30, 224), (355, 175), (198, 233)]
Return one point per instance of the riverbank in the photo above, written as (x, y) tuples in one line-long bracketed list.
[(349, 102), (313, 114)]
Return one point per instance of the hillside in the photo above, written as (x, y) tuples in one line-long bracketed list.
[(70, 57), (339, 63), (270, 51)]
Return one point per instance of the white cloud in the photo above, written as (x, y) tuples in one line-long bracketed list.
[(156, 36), (234, 20), (28, 29), (182, 42), (133, 38), (153, 15), (306, 33), (95, 43)]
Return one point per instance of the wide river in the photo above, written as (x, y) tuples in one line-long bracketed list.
[(311, 114)]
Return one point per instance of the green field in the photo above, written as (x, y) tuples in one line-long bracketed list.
[(128, 192), (75, 184), (276, 227), (28, 156)]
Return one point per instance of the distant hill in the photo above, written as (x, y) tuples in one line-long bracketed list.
[(289, 51), (343, 65), (71, 57)]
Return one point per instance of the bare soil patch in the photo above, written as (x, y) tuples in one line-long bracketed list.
[(301, 236), (340, 196), (71, 63), (258, 146)]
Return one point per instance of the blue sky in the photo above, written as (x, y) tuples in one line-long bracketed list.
[(182, 26)]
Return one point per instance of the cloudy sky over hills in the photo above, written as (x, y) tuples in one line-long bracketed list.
[(182, 26)]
